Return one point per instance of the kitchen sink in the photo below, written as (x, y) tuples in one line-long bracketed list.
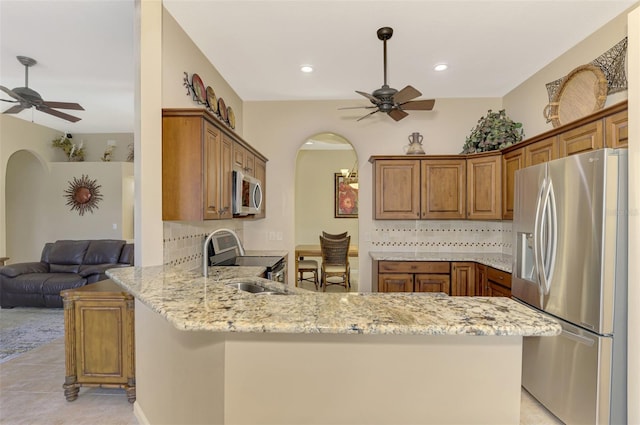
[(254, 288)]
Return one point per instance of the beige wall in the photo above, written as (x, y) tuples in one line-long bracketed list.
[(526, 102), (315, 194), (34, 177)]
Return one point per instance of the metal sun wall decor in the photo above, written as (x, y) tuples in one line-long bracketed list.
[(83, 194), (207, 97)]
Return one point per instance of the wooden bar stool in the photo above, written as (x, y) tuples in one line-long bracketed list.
[(308, 266)]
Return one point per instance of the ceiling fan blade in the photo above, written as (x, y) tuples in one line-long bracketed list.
[(370, 113), (10, 101), (406, 94), (368, 96), (58, 114), (419, 105), (64, 105), (14, 109), (397, 114), (11, 93)]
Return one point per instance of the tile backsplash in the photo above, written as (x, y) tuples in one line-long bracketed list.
[(183, 241), (442, 236)]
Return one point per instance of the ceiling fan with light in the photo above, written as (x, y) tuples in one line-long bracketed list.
[(26, 98), (389, 100)]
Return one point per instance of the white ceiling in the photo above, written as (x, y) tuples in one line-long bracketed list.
[(85, 48)]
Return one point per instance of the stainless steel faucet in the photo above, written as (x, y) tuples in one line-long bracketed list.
[(205, 251)]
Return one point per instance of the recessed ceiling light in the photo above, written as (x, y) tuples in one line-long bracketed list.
[(440, 67), (306, 68)]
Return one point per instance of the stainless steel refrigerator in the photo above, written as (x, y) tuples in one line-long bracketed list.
[(570, 261)]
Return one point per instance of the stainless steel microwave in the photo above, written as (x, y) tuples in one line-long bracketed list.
[(247, 194)]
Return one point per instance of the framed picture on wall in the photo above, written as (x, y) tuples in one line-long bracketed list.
[(346, 197)]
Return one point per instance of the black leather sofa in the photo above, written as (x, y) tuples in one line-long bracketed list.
[(64, 264)]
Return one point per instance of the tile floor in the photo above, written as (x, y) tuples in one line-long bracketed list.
[(31, 393)]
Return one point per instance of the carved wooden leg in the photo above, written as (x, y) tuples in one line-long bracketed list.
[(130, 388), (71, 388)]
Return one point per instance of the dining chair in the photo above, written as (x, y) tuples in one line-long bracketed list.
[(334, 236), (308, 266), (335, 262)]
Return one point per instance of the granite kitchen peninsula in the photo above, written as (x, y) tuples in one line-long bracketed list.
[(209, 353)]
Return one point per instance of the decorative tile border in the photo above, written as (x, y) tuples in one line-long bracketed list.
[(183, 241)]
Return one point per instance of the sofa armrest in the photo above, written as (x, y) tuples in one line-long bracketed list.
[(17, 269)]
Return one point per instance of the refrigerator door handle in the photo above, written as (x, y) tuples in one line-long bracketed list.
[(537, 230), (549, 231)]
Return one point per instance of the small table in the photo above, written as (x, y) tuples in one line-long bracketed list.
[(314, 250), (3, 260), (99, 338)]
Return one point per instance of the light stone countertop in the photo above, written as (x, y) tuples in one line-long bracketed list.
[(191, 302), (498, 261)]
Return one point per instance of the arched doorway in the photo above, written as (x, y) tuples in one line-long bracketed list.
[(322, 159)]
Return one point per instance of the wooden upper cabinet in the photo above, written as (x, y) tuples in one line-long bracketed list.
[(543, 151), (397, 189), (616, 128), (190, 169), (511, 162), (244, 159), (585, 138), (197, 164), (443, 188), (484, 188)]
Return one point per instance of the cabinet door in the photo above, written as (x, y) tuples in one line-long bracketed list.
[(582, 139), (543, 151), (511, 162), (463, 281), (102, 347), (481, 281), (443, 188), (498, 283), (244, 159), (226, 178), (432, 283), (212, 174), (617, 130), (182, 168), (495, 290), (397, 189), (398, 282), (261, 174), (484, 187)]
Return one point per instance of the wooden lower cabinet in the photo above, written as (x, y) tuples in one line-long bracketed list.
[(432, 283), (463, 279), (99, 339), (481, 280), (498, 283), (395, 282), (413, 276)]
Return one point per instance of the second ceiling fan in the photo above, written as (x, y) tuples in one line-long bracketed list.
[(389, 100)]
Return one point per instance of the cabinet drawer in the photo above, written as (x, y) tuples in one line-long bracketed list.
[(413, 267), (500, 277)]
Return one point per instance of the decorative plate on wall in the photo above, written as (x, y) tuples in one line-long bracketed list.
[(231, 117), (222, 110), (83, 194), (582, 92), (198, 89), (212, 101)]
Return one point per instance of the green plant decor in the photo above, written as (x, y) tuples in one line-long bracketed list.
[(495, 131), (73, 152)]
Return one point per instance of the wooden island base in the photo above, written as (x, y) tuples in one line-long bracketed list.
[(197, 377)]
